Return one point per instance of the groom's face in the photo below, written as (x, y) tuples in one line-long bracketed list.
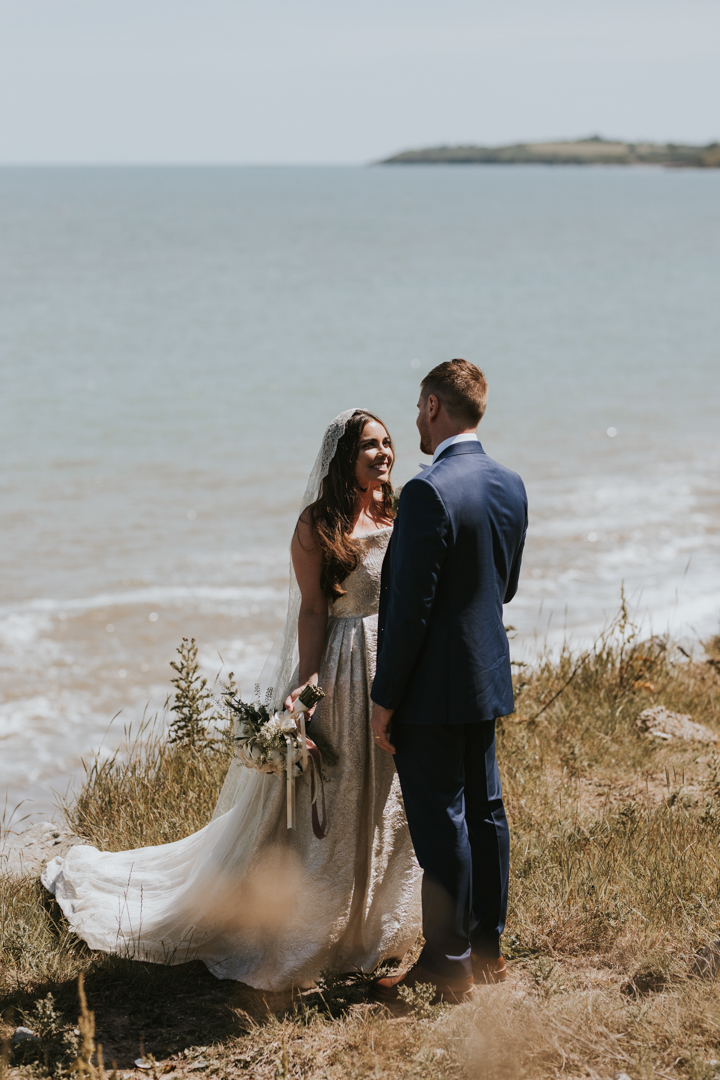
[(423, 424)]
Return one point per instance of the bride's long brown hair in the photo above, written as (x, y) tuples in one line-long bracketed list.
[(333, 513)]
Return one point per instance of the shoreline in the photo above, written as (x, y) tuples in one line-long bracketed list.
[(128, 702)]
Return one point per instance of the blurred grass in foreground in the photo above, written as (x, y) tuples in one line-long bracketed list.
[(615, 883)]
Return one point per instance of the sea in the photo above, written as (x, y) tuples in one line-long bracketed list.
[(173, 342)]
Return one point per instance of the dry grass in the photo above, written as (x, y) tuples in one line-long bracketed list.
[(151, 792), (615, 834), (615, 884)]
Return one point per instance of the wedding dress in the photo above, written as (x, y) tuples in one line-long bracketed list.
[(259, 903)]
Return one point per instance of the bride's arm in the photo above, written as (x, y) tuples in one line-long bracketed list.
[(312, 620)]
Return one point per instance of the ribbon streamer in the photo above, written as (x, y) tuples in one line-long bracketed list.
[(290, 763), (317, 786), (317, 789), (303, 741), (309, 755)]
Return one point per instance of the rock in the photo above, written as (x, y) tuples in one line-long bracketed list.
[(660, 723), (645, 981), (28, 853), (706, 963), (22, 1034)]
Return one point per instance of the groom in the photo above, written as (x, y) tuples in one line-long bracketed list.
[(443, 677)]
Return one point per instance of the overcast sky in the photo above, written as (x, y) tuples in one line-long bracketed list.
[(324, 81)]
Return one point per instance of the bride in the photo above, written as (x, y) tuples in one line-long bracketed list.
[(258, 903)]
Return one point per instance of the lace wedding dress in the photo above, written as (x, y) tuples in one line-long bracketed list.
[(259, 903)]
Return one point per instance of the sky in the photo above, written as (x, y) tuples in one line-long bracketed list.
[(346, 81)]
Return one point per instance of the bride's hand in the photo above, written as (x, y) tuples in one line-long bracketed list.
[(292, 698)]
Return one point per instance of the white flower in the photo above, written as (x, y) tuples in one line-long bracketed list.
[(256, 752), (277, 756), (287, 722)]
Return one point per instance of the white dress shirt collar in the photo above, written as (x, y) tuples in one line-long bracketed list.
[(466, 436)]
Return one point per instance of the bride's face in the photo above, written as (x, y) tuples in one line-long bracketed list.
[(375, 456)]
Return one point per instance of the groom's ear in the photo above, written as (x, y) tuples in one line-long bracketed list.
[(433, 405)]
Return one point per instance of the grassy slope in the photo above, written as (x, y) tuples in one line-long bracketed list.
[(614, 884)]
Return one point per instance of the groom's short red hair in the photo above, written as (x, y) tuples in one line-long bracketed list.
[(460, 387)]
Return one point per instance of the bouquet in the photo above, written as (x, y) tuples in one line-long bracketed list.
[(273, 743), (261, 737)]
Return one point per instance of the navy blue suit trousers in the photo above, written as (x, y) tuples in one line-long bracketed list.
[(451, 788)]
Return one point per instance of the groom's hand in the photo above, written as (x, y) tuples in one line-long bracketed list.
[(380, 724)]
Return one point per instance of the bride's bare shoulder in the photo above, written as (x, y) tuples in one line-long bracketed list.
[(306, 555), (304, 535)]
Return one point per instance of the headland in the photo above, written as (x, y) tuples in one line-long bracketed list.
[(594, 150)]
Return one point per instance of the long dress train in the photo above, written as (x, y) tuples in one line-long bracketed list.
[(259, 903)]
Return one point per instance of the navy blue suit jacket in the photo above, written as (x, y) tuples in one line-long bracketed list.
[(453, 561)]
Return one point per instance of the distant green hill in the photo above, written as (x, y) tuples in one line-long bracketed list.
[(592, 151)]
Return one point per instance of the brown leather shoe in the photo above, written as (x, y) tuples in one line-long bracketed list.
[(451, 990), (488, 969)]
